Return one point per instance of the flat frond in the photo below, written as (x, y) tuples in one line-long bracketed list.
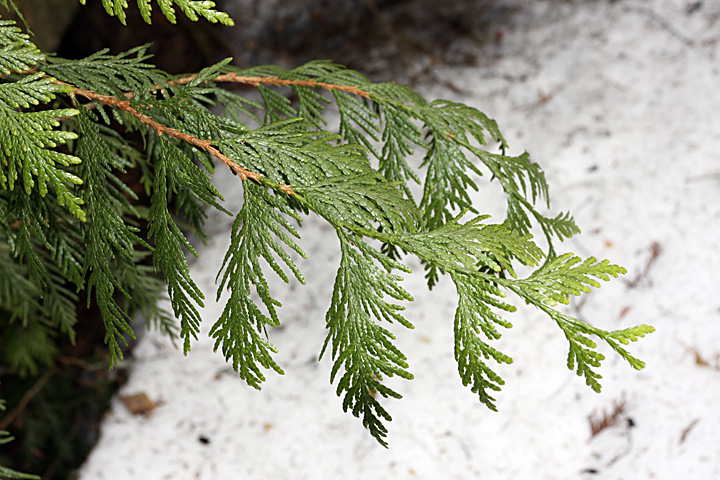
[(74, 223), (449, 127), (17, 53), (553, 283), (362, 202), (109, 240), (362, 350), (453, 134), (173, 171), (288, 152), (28, 139), (261, 231), (470, 246), (568, 275), (116, 75), (399, 138), (625, 336), (475, 324)]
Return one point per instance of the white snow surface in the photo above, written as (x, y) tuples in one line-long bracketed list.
[(619, 102)]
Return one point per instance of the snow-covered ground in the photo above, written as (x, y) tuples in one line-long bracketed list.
[(619, 101)]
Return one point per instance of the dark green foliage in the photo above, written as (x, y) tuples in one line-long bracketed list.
[(241, 330), (109, 242), (169, 257), (475, 321), (74, 224), (360, 345), (67, 225), (8, 473), (57, 428), (111, 74)]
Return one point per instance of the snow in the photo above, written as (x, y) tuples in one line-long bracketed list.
[(618, 102)]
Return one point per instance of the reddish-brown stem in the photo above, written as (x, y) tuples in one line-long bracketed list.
[(257, 81)]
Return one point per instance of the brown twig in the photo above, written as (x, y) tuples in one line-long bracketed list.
[(257, 81), (686, 431)]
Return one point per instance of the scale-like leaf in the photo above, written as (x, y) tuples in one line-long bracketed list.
[(17, 53), (118, 75), (553, 283), (288, 152), (28, 138), (362, 349), (77, 223), (109, 240), (173, 171), (361, 202), (475, 322), (261, 231), (466, 247)]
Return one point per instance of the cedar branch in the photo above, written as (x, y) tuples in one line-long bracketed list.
[(161, 129), (206, 145)]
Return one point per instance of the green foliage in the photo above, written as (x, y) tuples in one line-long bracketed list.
[(241, 329), (111, 74), (67, 224), (360, 345), (28, 137), (569, 275), (194, 9), (77, 225), (17, 53)]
